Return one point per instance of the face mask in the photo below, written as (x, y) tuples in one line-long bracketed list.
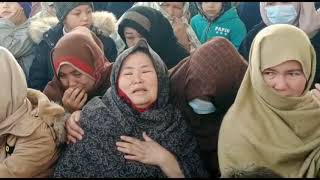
[(281, 14), (202, 107)]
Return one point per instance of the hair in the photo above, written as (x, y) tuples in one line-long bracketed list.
[(254, 172)]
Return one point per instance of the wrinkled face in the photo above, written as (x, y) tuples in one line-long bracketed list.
[(79, 16), (138, 80), (7, 9), (174, 9), (132, 36), (286, 79), (212, 9), (72, 78)]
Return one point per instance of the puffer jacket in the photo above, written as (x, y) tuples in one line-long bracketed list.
[(46, 32)]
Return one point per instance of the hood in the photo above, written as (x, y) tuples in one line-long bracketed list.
[(104, 21), (50, 112)]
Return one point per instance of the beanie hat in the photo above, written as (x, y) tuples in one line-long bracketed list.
[(63, 8), (27, 6)]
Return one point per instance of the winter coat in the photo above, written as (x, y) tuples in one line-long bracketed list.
[(105, 119), (46, 33), (17, 40), (228, 25), (246, 45), (31, 126)]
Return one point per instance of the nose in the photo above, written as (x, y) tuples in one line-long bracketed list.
[(72, 82), (280, 83), (137, 78), (85, 17)]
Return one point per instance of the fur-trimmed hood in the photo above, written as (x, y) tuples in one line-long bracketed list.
[(102, 20), (51, 113)]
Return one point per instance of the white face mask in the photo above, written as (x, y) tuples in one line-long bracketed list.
[(281, 14), (202, 107)]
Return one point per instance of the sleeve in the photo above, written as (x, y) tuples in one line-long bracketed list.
[(238, 34), (38, 73), (33, 155)]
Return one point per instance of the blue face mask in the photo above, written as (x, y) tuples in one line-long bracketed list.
[(202, 107), (281, 14)]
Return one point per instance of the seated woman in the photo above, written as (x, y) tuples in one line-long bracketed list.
[(81, 69), (133, 131), (274, 121), (30, 125), (144, 22)]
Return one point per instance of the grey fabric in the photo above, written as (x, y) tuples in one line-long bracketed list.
[(105, 119), (63, 8)]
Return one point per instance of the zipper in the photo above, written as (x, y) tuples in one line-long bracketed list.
[(207, 30)]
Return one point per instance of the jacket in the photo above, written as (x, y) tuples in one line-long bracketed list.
[(46, 33)]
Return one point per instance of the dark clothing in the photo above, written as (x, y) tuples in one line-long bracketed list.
[(105, 119), (159, 35), (244, 49), (249, 13), (41, 71), (117, 8)]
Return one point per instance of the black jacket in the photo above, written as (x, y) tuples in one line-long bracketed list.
[(41, 71)]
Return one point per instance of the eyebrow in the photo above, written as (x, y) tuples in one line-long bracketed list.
[(295, 70), (143, 66)]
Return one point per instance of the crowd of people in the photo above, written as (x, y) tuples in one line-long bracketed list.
[(160, 89)]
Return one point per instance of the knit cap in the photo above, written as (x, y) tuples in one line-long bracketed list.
[(27, 6), (63, 8)]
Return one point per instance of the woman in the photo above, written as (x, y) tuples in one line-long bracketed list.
[(81, 70), (135, 105), (30, 125), (14, 23), (274, 120), (144, 22), (204, 86), (218, 19), (299, 14), (46, 32)]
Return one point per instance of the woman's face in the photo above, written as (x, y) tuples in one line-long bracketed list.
[(132, 36), (52, 10), (70, 77), (7, 9), (79, 16), (212, 9), (138, 80), (286, 79), (174, 9)]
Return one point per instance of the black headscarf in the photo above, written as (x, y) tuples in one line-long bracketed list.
[(105, 119), (157, 30)]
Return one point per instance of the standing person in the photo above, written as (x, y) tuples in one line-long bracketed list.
[(14, 23), (218, 19), (133, 126), (204, 86), (145, 22), (81, 70), (30, 134), (274, 121), (299, 14), (70, 16)]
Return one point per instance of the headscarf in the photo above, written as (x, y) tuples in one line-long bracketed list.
[(105, 119), (156, 29), (308, 18), (15, 108), (84, 51), (265, 129)]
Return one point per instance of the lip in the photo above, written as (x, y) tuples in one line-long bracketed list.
[(137, 90)]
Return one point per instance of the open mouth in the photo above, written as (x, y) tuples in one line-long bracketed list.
[(139, 90)]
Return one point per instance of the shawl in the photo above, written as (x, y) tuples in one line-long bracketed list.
[(105, 119), (265, 129), (83, 50)]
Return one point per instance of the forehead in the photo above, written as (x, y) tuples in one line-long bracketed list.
[(81, 7), (10, 4), (137, 60)]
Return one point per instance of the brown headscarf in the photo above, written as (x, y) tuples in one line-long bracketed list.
[(308, 18), (15, 108), (84, 51), (265, 129)]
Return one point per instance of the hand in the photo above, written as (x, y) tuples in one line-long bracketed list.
[(74, 99), (316, 93), (147, 152), (74, 131), (18, 17)]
